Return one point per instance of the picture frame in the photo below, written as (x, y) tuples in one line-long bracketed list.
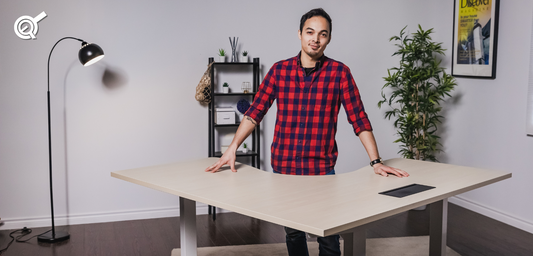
[(475, 38)]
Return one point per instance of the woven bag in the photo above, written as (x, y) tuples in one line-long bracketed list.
[(203, 90)]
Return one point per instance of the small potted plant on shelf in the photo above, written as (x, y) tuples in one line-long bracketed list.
[(222, 55), (244, 57), (225, 88), (245, 148)]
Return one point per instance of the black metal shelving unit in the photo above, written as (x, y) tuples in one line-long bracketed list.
[(254, 152)]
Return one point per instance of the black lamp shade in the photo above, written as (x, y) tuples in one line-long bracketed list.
[(90, 54)]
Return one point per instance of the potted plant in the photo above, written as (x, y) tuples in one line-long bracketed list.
[(244, 148), (244, 57), (225, 88), (222, 55), (417, 86)]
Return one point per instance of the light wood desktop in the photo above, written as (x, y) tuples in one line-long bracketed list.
[(320, 205)]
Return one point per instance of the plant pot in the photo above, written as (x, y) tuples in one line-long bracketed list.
[(225, 89), (222, 58), (245, 150), (244, 58)]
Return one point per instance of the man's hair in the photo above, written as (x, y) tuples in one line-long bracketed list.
[(313, 13)]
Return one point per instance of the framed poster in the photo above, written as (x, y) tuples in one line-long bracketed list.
[(475, 38)]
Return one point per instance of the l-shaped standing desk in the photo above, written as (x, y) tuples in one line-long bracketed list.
[(319, 205)]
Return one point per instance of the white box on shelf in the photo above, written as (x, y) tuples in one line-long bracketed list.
[(225, 116), (223, 149)]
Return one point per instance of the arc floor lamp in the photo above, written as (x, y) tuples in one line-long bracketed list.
[(88, 54)]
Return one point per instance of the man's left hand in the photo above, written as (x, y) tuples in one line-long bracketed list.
[(384, 171)]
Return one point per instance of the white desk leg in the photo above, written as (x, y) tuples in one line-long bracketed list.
[(188, 227), (355, 242), (438, 226)]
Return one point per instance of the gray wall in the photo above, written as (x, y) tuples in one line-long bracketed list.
[(136, 107)]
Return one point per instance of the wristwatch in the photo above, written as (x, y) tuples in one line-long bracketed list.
[(377, 161)]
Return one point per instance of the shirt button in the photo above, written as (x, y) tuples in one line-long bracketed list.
[(299, 141), (301, 125), (297, 158), (303, 108)]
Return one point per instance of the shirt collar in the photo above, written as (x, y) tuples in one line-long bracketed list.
[(318, 64)]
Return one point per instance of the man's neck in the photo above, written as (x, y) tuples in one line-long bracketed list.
[(307, 61)]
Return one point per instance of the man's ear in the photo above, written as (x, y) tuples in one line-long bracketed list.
[(300, 34)]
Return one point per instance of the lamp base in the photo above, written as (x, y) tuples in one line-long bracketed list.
[(49, 238)]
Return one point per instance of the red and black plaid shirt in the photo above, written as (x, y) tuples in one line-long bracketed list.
[(308, 106)]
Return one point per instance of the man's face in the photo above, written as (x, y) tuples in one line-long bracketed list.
[(315, 36)]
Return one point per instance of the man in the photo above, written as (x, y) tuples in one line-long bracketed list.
[(309, 90)]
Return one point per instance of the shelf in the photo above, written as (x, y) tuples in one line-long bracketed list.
[(220, 98), (227, 125), (253, 155), (232, 63), (239, 153), (234, 94)]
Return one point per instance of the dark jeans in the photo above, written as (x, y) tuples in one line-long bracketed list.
[(297, 244), (297, 241)]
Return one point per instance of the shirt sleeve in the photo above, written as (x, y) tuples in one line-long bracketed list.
[(264, 97), (351, 100)]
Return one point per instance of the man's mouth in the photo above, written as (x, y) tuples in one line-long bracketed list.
[(314, 46)]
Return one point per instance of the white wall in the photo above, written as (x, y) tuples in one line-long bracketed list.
[(486, 126), (136, 107)]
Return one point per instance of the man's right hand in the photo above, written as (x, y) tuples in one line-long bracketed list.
[(228, 158)]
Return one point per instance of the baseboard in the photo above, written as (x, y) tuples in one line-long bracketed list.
[(491, 213), (62, 220), (202, 209)]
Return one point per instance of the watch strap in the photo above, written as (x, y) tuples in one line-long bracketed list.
[(377, 161)]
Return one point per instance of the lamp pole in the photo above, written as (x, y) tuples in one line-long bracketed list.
[(88, 54)]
